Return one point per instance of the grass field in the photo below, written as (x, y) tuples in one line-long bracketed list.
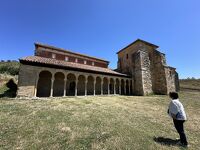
[(107, 122)]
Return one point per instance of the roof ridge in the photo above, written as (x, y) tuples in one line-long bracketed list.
[(135, 42)]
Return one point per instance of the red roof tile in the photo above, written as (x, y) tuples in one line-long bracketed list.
[(150, 44), (61, 63)]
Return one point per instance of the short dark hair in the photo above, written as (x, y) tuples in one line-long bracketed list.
[(173, 95)]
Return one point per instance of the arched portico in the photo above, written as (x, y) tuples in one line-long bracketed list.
[(98, 86), (81, 85), (105, 85), (44, 84), (111, 86), (117, 86), (90, 85), (58, 85), (71, 85)]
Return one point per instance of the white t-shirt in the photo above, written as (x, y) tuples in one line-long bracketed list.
[(176, 108)]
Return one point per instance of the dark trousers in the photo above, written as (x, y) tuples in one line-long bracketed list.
[(180, 129)]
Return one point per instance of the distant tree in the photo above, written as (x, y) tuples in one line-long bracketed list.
[(11, 68)]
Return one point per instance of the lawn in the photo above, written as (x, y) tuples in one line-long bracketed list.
[(100, 122)]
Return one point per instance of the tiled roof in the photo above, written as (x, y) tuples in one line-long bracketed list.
[(150, 44), (61, 63)]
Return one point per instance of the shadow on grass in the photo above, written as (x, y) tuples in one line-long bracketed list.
[(165, 141), (11, 92)]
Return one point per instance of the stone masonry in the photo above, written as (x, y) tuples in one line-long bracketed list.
[(148, 69)]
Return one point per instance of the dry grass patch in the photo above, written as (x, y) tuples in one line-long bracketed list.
[(100, 122)]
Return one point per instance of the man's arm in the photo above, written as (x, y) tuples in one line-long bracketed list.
[(173, 116), (173, 110)]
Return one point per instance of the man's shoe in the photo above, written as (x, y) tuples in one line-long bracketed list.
[(183, 145)]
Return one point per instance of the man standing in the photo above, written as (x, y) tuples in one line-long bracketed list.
[(176, 111)]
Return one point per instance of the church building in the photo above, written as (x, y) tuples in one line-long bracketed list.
[(56, 72)]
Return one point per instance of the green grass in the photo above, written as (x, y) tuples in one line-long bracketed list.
[(107, 122)]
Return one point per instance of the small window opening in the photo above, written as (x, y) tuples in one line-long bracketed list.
[(53, 56), (66, 58)]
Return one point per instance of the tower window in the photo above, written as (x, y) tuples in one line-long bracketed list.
[(126, 56)]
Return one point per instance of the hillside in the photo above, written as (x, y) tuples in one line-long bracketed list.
[(8, 70), (190, 84), (9, 67)]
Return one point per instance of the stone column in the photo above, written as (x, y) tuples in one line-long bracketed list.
[(36, 83), (114, 87), (125, 88), (86, 81), (108, 86), (52, 82), (65, 82), (94, 84), (76, 83), (102, 86)]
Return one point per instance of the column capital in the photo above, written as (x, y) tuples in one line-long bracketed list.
[(76, 75), (86, 80)]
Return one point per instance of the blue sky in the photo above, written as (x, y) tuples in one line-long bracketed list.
[(102, 27)]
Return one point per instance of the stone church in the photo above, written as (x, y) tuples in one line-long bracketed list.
[(54, 72)]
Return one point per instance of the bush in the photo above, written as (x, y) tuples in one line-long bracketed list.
[(11, 90), (11, 68)]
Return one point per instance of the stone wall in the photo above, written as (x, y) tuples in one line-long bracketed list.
[(159, 76), (146, 72), (138, 82), (148, 68), (26, 81)]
